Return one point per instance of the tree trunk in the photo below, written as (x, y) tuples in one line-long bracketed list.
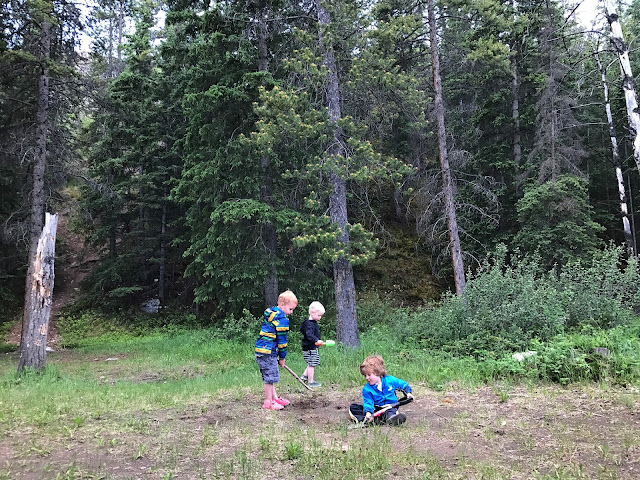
[(39, 167), (633, 223), (447, 181), (628, 83), (163, 246), (33, 350), (515, 114), (345, 290), (269, 239), (616, 161)]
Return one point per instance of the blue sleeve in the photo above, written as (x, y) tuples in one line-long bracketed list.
[(282, 331), (367, 400), (399, 384)]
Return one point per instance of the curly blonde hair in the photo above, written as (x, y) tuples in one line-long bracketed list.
[(373, 364)]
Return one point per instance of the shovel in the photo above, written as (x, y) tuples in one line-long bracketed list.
[(403, 401), (297, 378)]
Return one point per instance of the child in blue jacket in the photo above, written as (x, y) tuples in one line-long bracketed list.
[(380, 390)]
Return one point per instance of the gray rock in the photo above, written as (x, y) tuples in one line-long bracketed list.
[(150, 306)]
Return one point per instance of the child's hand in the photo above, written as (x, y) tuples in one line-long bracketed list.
[(410, 395), (319, 343), (368, 417)]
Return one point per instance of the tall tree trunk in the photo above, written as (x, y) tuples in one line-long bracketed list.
[(616, 161), (628, 82), (633, 223), (447, 181), (269, 239), (163, 246), (33, 351), (39, 167), (345, 290), (515, 113)]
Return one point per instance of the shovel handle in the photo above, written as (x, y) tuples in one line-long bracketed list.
[(297, 378), (403, 401)]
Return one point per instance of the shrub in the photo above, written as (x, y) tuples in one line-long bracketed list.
[(509, 302), (242, 328), (602, 293), (504, 307)]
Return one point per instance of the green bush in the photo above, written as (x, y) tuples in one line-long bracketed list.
[(505, 306), (569, 358), (603, 293), (509, 302), (242, 328)]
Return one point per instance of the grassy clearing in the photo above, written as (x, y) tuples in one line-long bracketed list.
[(187, 406)]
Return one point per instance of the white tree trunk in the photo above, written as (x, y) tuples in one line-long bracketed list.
[(33, 349), (628, 83), (616, 161)]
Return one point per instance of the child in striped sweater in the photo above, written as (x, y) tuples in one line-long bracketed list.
[(271, 348)]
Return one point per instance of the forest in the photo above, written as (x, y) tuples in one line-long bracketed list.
[(209, 155), (453, 180)]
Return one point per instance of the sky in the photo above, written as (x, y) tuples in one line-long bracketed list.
[(585, 13)]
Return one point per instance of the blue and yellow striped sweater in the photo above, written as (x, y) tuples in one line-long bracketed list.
[(273, 333)]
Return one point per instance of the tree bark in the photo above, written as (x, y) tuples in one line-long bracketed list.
[(269, 238), (33, 353), (616, 161), (345, 290), (515, 113), (628, 83), (447, 181), (39, 166), (163, 247)]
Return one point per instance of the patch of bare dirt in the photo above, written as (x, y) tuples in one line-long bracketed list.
[(546, 432)]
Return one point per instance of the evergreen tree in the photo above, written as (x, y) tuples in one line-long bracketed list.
[(37, 88), (132, 162), (232, 194), (318, 122), (556, 221)]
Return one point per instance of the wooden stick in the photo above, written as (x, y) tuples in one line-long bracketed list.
[(297, 377)]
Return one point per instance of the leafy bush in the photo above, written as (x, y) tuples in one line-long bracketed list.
[(561, 362), (569, 358), (509, 302), (603, 293), (373, 310), (504, 307), (241, 329)]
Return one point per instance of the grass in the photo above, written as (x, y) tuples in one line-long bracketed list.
[(187, 405)]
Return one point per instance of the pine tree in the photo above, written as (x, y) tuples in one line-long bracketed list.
[(233, 194), (132, 163)]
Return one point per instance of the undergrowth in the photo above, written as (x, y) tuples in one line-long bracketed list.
[(579, 321)]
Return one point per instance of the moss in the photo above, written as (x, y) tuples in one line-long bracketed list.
[(401, 273)]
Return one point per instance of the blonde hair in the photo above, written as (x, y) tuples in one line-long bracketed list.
[(316, 307), (373, 364), (287, 298)]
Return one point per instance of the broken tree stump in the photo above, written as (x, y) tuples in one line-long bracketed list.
[(33, 353)]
